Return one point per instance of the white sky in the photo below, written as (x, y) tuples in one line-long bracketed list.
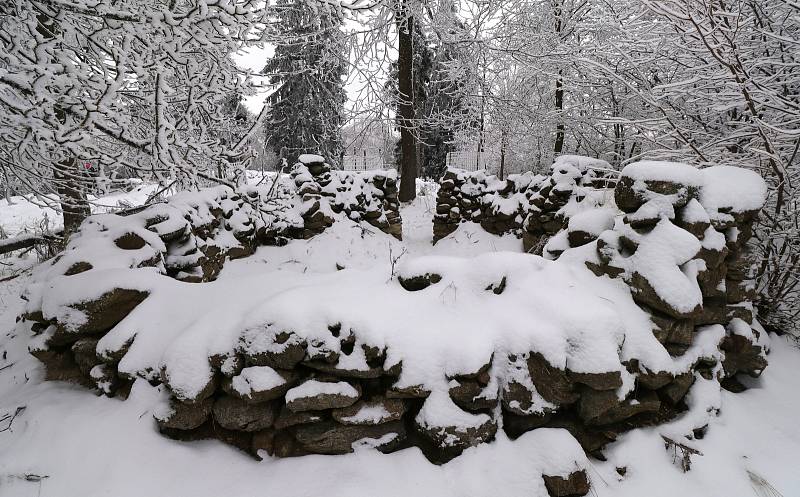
[(254, 59)]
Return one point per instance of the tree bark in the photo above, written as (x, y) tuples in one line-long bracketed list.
[(558, 146), (7, 187), (559, 142), (408, 165), (71, 194), (503, 140)]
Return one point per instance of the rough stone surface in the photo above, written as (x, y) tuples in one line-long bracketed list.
[(452, 440), (647, 402), (644, 293), (105, 312), (236, 414), (84, 351), (323, 401), (515, 425), (334, 369), (671, 330), (130, 241), (185, 416), (599, 381), (741, 356), (409, 392), (517, 398), (420, 282), (294, 350), (472, 396), (258, 396), (287, 418), (574, 485), (277, 444), (60, 367), (594, 404), (676, 390), (629, 197), (553, 384), (377, 410), (329, 437)]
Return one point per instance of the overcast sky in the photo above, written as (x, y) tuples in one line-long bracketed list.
[(254, 59)]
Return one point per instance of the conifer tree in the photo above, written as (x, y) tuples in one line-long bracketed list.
[(446, 110), (307, 70)]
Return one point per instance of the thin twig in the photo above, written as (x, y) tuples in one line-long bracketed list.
[(19, 411)]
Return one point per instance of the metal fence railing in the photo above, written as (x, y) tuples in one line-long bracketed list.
[(364, 160), (472, 160)]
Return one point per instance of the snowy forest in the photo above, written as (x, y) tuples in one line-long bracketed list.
[(399, 247)]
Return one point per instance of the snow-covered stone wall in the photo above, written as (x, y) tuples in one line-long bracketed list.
[(533, 207), (190, 236), (681, 247), (646, 293), (369, 196)]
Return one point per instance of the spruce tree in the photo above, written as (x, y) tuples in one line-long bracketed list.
[(446, 109), (305, 112)]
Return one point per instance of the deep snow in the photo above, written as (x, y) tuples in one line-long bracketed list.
[(68, 442), (26, 213)]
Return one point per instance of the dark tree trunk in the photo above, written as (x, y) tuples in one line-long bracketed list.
[(559, 143), (558, 27), (405, 108), (503, 140), (481, 129), (71, 194)]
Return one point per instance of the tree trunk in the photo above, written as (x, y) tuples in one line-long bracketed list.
[(420, 158), (559, 143), (7, 188), (71, 194), (481, 129), (405, 107), (558, 10), (502, 154)]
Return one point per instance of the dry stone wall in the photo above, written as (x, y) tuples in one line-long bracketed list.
[(191, 236), (475, 196), (533, 207), (677, 236), (678, 242), (369, 196), (697, 222), (698, 216)]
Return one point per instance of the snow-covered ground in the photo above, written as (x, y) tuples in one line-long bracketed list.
[(27, 213), (65, 442)]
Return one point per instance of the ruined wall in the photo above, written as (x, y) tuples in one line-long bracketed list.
[(677, 242), (190, 236), (698, 223), (533, 207), (318, 191)]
